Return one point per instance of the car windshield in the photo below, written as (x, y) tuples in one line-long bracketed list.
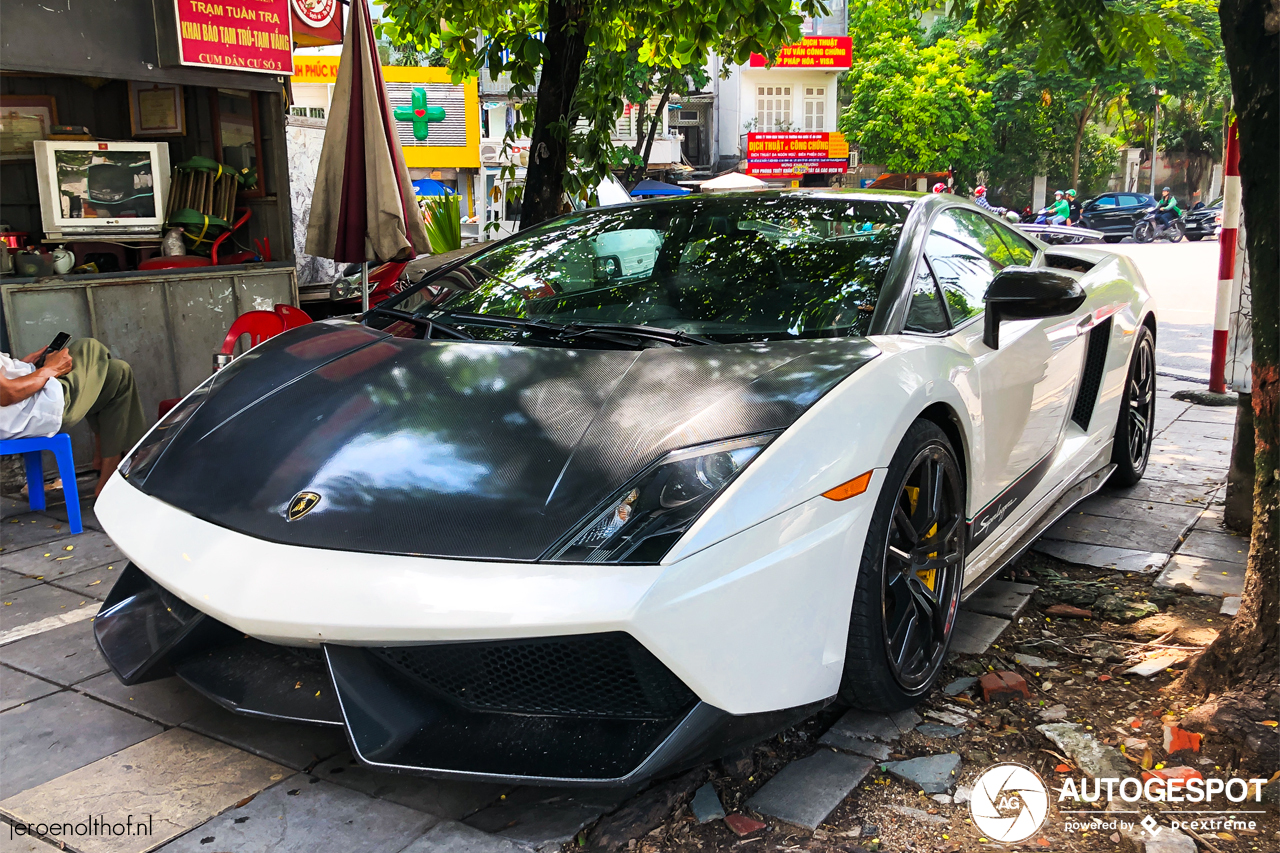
[(724, 269)]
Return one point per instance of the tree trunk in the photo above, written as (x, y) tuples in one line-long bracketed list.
[(1245, 657), (1081, 123), (638, 148), (1075, 154), (549, 146), (653, 127)]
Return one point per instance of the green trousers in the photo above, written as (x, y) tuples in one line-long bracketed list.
[(100, 389)]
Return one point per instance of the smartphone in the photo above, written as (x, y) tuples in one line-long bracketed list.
[(59, 341)]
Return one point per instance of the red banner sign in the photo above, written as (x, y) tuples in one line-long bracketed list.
[(243, 35), (791, 168), (784, 155), (835, 52), (797, 146), (316, 22)]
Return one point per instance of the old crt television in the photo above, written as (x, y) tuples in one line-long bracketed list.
[(102, 189)]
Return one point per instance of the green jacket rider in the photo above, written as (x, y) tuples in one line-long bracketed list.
[(1167, 206)]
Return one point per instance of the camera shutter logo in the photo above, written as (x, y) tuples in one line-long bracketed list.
[(1009, 802)]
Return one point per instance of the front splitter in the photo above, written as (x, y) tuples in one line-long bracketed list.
[(398, 723)]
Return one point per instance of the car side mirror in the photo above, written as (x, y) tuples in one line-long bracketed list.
[(1028, 293)]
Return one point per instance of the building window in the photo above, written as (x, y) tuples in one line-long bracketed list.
[(298, 111), (815, 108), (773, 107), (315, 112)]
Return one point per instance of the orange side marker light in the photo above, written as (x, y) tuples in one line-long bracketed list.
[(849, 489)]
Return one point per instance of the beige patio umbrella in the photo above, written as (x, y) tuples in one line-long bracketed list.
[(363, 208)]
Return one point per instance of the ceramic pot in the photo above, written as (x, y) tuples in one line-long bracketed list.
[(63, 260)]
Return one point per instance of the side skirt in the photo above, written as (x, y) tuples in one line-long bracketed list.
[(1083, 488)]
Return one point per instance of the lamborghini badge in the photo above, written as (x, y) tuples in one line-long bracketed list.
[(302, 503)]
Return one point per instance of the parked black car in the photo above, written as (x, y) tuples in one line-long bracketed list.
[(1115, 214), (1203, 221)]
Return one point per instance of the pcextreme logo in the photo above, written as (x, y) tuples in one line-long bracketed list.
[(1009, 802)]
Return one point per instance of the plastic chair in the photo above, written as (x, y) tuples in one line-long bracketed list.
[(258, 325), (293, 317), (60, 446)]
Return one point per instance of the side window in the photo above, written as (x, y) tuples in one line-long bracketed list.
[(959, 261), (982, 233), (926, 313), (1020, 248), (1104, 201), (1130, 200)]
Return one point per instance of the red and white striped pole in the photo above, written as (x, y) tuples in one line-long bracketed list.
[(1226, 260)]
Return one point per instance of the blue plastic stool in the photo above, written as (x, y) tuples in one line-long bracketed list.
[(60, 446)]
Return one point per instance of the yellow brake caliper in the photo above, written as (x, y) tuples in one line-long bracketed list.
[(929, 576)]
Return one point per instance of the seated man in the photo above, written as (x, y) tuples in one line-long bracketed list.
[(90, 385)]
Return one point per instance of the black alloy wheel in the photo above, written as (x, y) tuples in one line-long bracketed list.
[(921, 577), (910, 578), (1136, 424)]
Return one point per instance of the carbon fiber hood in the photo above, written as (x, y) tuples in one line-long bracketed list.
[(457, 449)]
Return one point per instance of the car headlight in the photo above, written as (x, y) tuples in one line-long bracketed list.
[(141, 459), (646, 517)]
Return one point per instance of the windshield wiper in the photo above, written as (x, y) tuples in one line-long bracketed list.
[(611, 332), (426, 322), (651, 333)]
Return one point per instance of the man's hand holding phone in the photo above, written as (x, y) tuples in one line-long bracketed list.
[(58, 363)]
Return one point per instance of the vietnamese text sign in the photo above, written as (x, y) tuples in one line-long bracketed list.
[(316, 22), (791, 168), (242, 35), (812, 52), (315, 69), (796, 146)]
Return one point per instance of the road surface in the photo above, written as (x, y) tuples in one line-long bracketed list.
[(1183, 278)]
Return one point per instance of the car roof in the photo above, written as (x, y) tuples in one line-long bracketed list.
[(802, 192), (918, 200)]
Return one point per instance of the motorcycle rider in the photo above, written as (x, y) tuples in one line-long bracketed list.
[(1167, 208), (1073, 206), (980, 199), (1057, 213)]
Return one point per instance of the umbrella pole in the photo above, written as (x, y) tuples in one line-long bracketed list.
[(364, 288)]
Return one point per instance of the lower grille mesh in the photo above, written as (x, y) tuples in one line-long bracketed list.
[(591, 675)]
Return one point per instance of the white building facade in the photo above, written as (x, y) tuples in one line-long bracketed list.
[(779, 122)]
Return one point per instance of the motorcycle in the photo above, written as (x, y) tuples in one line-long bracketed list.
[(1150, 228)]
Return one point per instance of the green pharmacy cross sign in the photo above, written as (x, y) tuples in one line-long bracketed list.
[(420, 114)]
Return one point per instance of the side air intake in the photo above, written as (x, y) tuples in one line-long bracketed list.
[(1091, 380)]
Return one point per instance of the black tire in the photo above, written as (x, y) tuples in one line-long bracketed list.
[(1113, 238), (1175, 232), (1144, 232), (1136, 424), (903, 585), (1195, 238)]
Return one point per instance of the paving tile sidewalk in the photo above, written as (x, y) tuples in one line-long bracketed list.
[(1169, 522), (72, 737)]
